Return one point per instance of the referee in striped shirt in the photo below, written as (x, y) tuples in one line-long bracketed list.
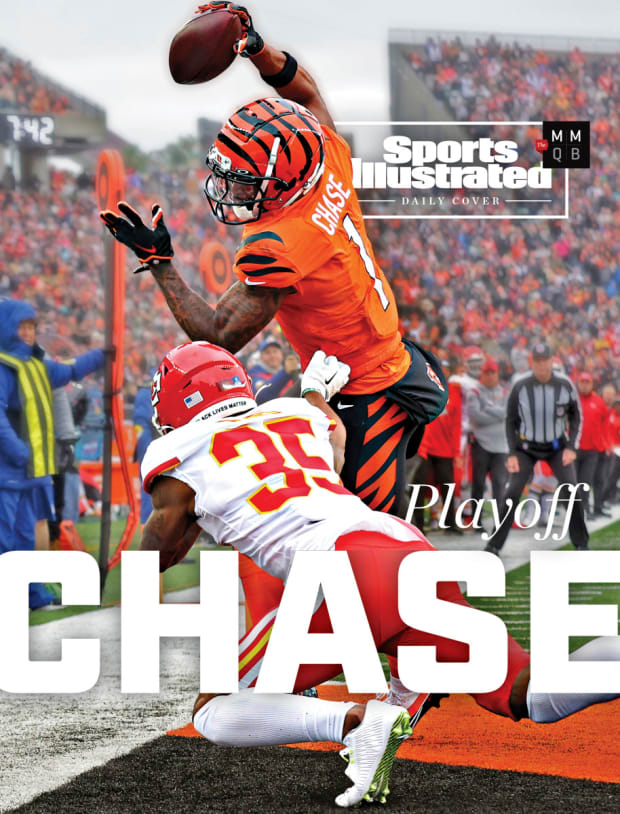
[(543, 422)]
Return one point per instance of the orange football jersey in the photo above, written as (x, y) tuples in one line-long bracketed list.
[(342, 302)]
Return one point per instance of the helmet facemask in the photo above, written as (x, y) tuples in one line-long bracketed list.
[(237, 196)]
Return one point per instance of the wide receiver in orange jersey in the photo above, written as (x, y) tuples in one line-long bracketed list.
[(278, 167)]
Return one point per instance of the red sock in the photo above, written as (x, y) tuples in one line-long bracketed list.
[(262, 591)]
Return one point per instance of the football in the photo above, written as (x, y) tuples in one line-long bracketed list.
[(203, 48)]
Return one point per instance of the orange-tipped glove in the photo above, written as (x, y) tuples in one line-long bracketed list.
[(151, 246)]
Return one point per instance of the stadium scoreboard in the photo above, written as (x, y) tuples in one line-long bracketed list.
[(27, 130)]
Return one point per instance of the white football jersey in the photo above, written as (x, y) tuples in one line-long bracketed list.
[(264, 482)]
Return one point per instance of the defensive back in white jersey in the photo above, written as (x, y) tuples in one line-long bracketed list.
[(264, 482)]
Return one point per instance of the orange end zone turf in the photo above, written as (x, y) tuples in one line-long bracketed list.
[(461, 733)]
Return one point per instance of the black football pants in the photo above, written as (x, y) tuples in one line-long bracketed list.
[(577, 530)]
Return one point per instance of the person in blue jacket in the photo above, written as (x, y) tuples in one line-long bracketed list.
[(27, 429), (269, 363)]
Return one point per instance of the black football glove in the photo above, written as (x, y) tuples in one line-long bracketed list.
[(151, 246), (251, 43)]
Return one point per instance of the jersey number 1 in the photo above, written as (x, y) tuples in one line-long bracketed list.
[(356, 238)]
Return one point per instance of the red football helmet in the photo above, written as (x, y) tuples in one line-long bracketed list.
[(268, 154), (198, 380)]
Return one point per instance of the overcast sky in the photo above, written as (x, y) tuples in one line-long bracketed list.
[(115, 53)]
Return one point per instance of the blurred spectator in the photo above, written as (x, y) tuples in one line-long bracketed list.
[(486, 407), (66, 436), (269, 363), (73, 484), (440, 451), (608, 394), (473, 358), (8, 181), (27, 430), (142, 419), (613, 431), (591, 452), (284, 383), (519, 356)]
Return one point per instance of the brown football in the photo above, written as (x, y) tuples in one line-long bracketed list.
[(203, 48)]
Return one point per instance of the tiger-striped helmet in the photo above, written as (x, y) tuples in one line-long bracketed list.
[(268, 154)]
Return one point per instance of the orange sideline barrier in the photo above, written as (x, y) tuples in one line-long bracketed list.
[(110, 188), (119, 491), (215, 267)]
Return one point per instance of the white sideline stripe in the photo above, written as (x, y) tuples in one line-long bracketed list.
[(38, 734)]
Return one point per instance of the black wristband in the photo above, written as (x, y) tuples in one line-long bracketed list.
[(283, 77)]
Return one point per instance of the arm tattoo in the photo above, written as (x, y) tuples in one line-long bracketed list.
[(242, 312), (238, 316), (193, 314)]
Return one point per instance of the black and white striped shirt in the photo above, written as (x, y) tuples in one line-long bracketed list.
[(540, 414)]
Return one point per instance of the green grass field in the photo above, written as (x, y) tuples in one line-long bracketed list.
[(514, 608)]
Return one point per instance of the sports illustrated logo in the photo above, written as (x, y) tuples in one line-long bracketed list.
[(481, 164), (467, 170), (565, 145), (434, 377)]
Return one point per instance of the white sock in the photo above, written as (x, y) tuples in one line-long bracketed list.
[(250, 719), (545, 708)]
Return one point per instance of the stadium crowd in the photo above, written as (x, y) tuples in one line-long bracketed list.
[(514, 281), (493, 81), (24, 89)]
